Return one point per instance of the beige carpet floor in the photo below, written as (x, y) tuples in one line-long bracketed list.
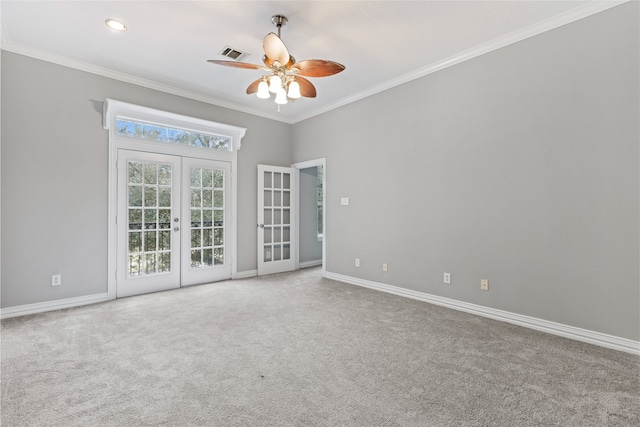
[(298, 350)]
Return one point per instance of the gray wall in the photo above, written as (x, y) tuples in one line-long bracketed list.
[(520, 166), (310, 246), (54, 175)]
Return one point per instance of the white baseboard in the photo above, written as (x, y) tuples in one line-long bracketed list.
[(578, 334), (313, 263), (41, 307), (22, 310), (245, 274)]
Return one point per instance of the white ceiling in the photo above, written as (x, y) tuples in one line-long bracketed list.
[(381, 43)]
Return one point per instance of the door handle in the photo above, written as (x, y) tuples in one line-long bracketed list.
[(175, 219), (176, 228), (261, 225)]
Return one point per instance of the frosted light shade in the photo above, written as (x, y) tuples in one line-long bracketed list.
[(263, 90), (294, 90), (275, 84), (281, 96)]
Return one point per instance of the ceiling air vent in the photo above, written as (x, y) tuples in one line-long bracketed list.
[(234, 54)]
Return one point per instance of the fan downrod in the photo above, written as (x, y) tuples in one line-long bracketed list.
[(279, 21)]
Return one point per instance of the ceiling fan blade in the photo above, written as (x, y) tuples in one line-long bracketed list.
[(235, 64), (253, 87), (275, 49), (307, 89), (318, 68)]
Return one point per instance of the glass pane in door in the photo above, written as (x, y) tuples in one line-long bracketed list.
[(276, 220), (276, 216), (149, 212), (207, 217)]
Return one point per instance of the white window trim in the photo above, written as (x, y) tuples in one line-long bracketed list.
[(113, 109)]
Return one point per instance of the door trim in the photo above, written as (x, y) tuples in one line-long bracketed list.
[(304, 165), (111, 110), (113, 207)]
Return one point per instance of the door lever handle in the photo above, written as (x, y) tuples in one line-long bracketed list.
[(176, 228), (261, 226)]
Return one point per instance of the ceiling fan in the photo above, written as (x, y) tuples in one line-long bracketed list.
[(286, 79)]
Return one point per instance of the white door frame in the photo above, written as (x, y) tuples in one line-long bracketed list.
[(304, 165), (113, 109)]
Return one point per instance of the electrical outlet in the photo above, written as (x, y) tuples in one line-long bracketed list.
[(384, 267), (447, 278), (56, 280), (484, 284), (357, 262)]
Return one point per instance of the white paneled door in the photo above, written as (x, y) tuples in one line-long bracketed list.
[(276, 219), (172, 222)]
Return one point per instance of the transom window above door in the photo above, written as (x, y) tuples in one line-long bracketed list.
[(154, 132), (135, 123)]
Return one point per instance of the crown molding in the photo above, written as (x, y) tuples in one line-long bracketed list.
[(565, 18), (10, 46)]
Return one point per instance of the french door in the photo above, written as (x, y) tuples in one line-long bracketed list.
[(276, 219), (173, 221)]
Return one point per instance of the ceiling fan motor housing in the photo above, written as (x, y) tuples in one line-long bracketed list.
[(279, 21)]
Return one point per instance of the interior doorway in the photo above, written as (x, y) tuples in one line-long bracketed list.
[(311, 220)]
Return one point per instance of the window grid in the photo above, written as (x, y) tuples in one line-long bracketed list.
[(149, 219), (207, 217), (277, 216)]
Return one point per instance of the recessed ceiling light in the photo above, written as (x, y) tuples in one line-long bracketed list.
[(115, 25)]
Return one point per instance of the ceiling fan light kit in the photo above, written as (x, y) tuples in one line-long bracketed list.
[(294, 90), (285, 79), (263, 89), (275, 83)]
